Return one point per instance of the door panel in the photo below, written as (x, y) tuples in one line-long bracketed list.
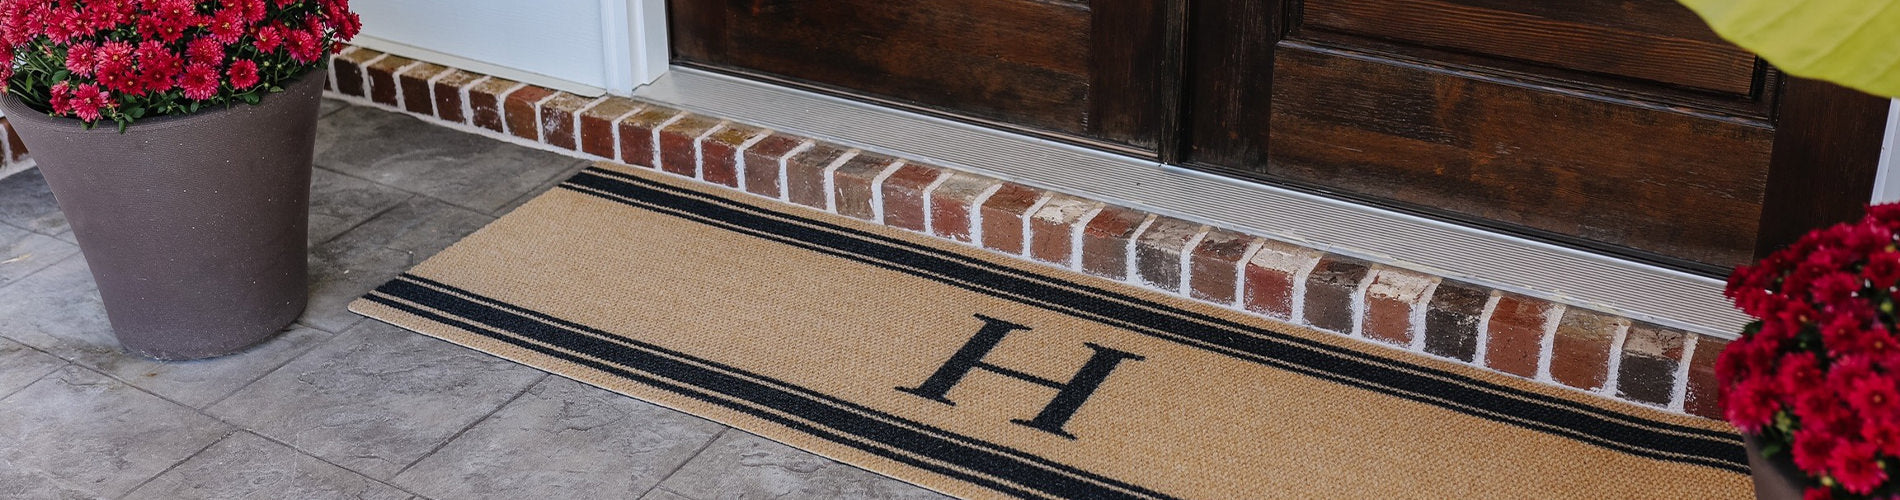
[(1512, 154), (1032, 65), (1620, 126), (1654, 40)]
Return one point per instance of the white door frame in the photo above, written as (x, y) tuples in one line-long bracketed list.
[(637, 51)]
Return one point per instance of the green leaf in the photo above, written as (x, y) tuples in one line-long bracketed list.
[(1855, 43)]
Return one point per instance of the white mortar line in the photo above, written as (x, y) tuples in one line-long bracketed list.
[(1186, 279), (1547, 346), (1134, 240), (738, 157), (613, 127), (1679, 395), (580, 141), (1616, 360), (976, 213), (830, 181), (395, 79), (1420, 311), (1358, 301), (655, 161), (1029, 217), (468, 105), (362, 71), (1298, 293), (699, 149), (1240, 272), (930, 194), (1484, 328), (784, 167), (877, 190), (1076, 235), (540, 129), (331, 64), (501, 111)]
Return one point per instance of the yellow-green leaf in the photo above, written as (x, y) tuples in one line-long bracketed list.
[(1850, 42)]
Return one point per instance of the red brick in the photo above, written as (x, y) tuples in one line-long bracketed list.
[(1158, 252), (1271, 275), (350, 71), (638, 135), (597, 125), (1002, 217), (1393, 299), (16, 149), (719, 153), (679, 144), (763, 164), (1451, 322), (448, 95), (1108, 239), (1052, 229), (904, 196), (1330, 288), (557, 119), (1580, 353), (805, 174), (1651, 355), (417, 94), (1214, 268), (1704, 396), (1515, 339), (954, 202), (520, 109), (484, 101), (383, 87), (854, 185)]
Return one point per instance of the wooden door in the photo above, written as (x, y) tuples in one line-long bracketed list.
[(1621, 126), (1098, 72)]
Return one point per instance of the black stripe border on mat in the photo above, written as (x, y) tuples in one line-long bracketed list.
[(1458, 392), (1024, 475)]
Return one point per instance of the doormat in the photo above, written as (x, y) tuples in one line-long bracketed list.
[(984, 377)]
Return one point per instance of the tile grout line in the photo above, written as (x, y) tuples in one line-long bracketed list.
[(234, 430), (723, 429), (543, 377), (300, 451), (64, 364)]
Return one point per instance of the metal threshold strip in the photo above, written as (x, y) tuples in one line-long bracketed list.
[(1632, 289)]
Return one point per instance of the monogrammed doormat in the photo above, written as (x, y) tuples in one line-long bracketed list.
[(980, 376)]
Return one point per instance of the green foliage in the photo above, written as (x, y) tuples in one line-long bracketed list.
[(1855, 43)]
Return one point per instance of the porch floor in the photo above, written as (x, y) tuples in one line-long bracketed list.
[(340, 406)]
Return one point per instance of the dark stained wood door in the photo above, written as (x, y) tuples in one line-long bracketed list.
[(1098, 72), (1622, 126)]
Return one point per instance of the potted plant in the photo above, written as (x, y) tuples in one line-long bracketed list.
[(177, 136), (1812, 382)]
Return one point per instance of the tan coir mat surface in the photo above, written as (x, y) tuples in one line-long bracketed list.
[(981, 377)]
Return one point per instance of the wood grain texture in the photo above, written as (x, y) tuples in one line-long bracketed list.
[(1012, 61), (1229, 80), (1827, 149), (1653, 40), (1641, 178)]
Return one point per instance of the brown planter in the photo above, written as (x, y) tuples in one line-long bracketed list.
[(1774, 479), (194, 225)]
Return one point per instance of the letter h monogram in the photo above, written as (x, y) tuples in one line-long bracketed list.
[(1069, 395)]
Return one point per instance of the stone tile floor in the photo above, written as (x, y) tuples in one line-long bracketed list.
[(340, 406)]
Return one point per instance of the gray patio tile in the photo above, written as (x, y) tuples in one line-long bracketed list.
[(563, 439), (462, 168), (661, 494), (339, 202), (21, 365), (79, 434), (543, 188), (742, 465), (331, 106), (200, 383), (57, 310), (247, 466), (22, 252), (27, 203), (363, 258), (376, 398)]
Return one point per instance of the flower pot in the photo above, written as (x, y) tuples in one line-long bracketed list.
[(1774, 479), (194, 225)]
